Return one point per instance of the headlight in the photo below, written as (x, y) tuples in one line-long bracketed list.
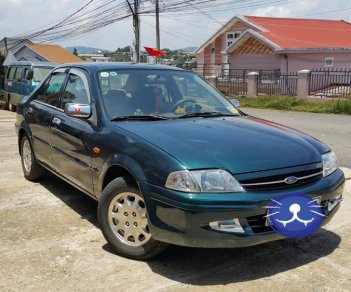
[(212, 180), (330, 163)]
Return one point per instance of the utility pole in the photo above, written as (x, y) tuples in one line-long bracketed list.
[(136, 26), (137, 30), (158, 45), (6, 49)]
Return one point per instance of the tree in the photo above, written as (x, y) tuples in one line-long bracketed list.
[(75, 51)]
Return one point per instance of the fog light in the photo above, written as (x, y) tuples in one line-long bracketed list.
[(333, 203), (231, 226)]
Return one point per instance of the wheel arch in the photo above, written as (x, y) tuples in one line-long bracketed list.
[(115, 171), (21, 132)]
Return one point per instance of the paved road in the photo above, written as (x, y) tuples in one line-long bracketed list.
[(334, 130), (49, 241)]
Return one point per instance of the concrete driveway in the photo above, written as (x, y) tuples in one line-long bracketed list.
[(334, 130), (49, 241)]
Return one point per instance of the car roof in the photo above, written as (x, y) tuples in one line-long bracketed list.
[(36, 64), (96, 66)]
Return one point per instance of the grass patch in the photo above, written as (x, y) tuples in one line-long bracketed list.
[(298, 104)]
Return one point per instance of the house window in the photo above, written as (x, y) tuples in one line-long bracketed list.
[(328, 62), (231, 37)]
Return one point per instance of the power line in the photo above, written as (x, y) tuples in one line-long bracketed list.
[(330, 11), (98, 14)]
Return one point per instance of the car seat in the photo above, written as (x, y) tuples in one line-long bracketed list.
[(116, 103), (148, 99)]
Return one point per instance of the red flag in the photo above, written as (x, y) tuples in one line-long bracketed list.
[(154, 53)]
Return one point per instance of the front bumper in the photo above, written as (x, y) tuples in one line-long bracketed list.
[(183, 219)]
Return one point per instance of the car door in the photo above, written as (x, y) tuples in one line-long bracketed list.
[(70, 136), (43, 107)]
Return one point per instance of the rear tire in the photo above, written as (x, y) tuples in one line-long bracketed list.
[(31, 169), (6, 107), (123, 221)]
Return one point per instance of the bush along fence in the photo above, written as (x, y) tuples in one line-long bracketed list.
[(317, 83), (330, 83)]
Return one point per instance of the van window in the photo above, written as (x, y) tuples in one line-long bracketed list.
[(40, 73), (18, 75), (50, 91), (11, 74)]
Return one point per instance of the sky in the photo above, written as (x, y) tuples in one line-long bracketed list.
[(20, 16)]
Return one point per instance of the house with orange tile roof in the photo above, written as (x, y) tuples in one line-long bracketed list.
[(282, 44), (45, 53)]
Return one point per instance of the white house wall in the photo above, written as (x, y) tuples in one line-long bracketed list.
[(300, 61)]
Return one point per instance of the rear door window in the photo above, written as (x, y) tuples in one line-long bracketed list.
[(50, 91)]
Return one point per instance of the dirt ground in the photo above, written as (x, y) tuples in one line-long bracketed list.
[(49, 241)]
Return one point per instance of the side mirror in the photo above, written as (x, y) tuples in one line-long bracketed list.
[(29, 74), (76, 110), (235, 102)]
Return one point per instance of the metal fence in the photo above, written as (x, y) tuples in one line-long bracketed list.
[(277, 84), (217, 70), (267, 84), (330, 83), (233, 85), (322, 82)]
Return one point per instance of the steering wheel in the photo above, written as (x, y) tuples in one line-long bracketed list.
[(181, 103)]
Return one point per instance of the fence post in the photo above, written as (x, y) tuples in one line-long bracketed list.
[(226, 72), (252, 84), (212, 80), (303, 83)]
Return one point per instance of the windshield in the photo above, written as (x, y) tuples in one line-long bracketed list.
[(167, 93), (40, 73)]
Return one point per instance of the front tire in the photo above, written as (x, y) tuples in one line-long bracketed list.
[(123, 220), (31, 169)]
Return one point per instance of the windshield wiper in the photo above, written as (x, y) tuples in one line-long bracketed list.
[(139, 118), (207, 115)]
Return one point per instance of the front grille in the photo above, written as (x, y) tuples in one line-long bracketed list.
[(258, 223), (277, 181)]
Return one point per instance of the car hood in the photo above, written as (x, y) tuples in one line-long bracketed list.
[(238, 144)]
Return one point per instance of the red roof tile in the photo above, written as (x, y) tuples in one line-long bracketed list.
[(291, 33)]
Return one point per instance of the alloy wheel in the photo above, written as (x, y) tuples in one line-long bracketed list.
[(27, 155), (127, 218)]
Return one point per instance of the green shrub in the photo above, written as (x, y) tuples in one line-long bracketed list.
[(341, 106)]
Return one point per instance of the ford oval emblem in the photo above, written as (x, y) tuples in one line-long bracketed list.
[(291, 180)]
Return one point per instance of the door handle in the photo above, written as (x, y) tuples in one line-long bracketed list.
[(56, 121)]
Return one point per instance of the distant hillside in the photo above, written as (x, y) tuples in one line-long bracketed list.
[(89, 50), (188, 49), (86, 50)]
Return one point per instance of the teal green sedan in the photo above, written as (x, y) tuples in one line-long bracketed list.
[(170, 160)]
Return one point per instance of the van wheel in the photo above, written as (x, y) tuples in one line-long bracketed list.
[(124, 221), (31, 169), (11, 107)]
